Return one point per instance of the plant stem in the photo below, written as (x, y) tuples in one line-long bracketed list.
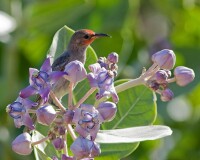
[(65, 151), (71, 131), (171, 80), (57, 102), (129, 84), (85, 97), (40, 141), (31, 111), (70, 95)]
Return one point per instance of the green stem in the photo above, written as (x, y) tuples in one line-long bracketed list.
[(70, 95), (132, 83), (65, 151), (71, 131), (40, 141), (57, 102), (85, 97), (171, 80)]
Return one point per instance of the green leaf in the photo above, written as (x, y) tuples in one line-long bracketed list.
[(39, 155), (134, 134), (36, 137), (135, 108), (60, 41)]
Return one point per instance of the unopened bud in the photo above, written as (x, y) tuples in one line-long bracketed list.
[(166, 95), (68, 116), (61, 130), (58, 143), (107, 110), (161, 76), (165, 59), (22, 144), (46, 115), (113, 57), (183, 75), (76, 71), (81, 147)]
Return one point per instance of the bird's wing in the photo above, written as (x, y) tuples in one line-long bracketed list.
[(60, 63)]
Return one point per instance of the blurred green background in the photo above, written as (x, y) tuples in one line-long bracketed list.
[(138, 29)]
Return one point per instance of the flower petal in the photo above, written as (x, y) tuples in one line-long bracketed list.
[(18, 122), (44, 93), (32, 71), (27, 121), (27, 92), (46, 66), (92, 80), (28, 104), (56, 75)]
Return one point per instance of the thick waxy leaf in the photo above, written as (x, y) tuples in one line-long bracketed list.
[(134, 134), (136, 107)]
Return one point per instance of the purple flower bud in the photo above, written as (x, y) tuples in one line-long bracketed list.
[(161, 76), (22, 144), (76, 71), (68, 116), (61, 130), (165, 59), (46, 115), (81, 147), (113, 57), (58, 143), (107, 110), (166, 95), (183, 75)]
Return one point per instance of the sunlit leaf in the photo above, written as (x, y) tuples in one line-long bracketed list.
[(134, 134), (136, 107)]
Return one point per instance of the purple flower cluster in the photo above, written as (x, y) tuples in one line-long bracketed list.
[(85, 117), (159, 74)]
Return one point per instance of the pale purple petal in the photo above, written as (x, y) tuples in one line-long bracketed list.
[(27, 92), (32, 71), (94, 130), (28, 104), (18, 122), (55, 76), (92, 80), (81, 131), (115, 97), (77, 115), (27, 121), (46, 66), (95, 68), (44, 93)]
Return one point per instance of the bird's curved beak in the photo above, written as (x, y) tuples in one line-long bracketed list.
[(98, 35)]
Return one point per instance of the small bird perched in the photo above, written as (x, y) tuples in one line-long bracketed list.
[(76, 50)]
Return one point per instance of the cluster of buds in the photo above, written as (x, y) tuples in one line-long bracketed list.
[(86, 118), (159, 75)]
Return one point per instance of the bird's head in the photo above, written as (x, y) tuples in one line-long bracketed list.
[(85, 37)]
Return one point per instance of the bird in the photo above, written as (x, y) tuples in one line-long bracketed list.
[(76, 50)]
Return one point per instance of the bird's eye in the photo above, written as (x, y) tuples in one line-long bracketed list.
[(86, 36)]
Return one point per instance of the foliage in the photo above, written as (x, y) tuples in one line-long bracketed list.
[(132, 25)]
